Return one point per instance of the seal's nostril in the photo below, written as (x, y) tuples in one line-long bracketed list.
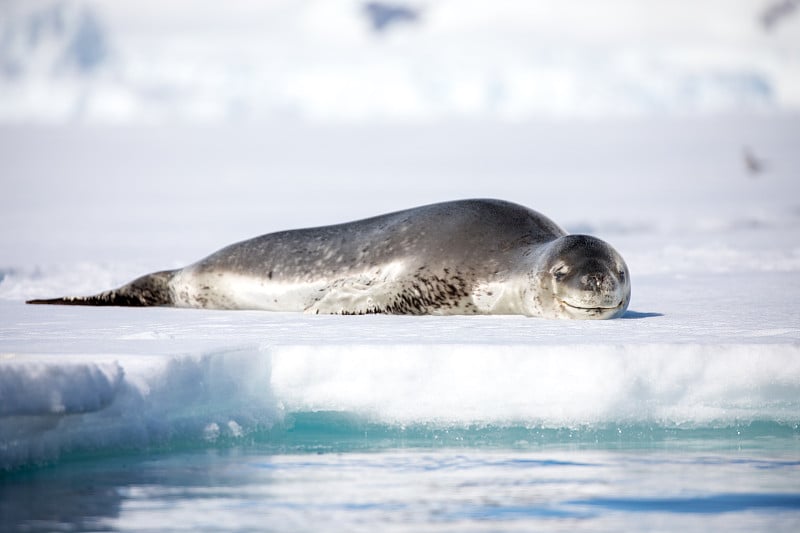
[(593, 281)]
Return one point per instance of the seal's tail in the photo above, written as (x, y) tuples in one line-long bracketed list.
[(150, 290)]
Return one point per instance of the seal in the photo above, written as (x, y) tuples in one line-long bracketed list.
[(462, 257)]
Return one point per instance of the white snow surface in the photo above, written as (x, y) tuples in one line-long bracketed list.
[(712, 337)]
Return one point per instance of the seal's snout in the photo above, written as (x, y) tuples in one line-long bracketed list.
[(597, 288), (593, 282), (598, 281)]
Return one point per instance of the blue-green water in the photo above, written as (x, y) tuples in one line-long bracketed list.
[(335, 472)]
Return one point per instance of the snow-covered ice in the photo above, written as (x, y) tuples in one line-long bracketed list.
[(712, 338), (137, 137)]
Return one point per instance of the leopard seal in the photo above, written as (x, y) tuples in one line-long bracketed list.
[(479, 256)]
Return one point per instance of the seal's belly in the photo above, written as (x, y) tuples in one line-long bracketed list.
[(393, 288), (226, 290), (360, 291)]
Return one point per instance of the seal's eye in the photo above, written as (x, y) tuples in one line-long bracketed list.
[(622, 275), (560, 272)]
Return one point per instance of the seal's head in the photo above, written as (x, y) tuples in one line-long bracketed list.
[(582, 277)]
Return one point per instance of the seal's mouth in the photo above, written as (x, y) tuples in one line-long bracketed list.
[(591, 309)]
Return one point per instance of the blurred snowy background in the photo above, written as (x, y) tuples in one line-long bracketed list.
[(348, 61)]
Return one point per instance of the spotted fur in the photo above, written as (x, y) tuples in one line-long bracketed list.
[(463, 257)]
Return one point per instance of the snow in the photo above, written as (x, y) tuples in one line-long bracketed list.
[(712, 338), (131, 143)]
